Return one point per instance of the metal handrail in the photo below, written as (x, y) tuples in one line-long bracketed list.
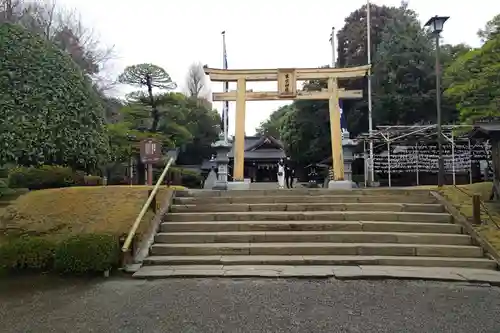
[(144, 209)]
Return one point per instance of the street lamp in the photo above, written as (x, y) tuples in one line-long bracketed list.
[(436, 24)]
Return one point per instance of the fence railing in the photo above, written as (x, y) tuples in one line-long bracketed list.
[(137, 222), (478, 206)]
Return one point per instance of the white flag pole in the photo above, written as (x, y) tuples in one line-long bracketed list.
[(370, 117), (225, 108)]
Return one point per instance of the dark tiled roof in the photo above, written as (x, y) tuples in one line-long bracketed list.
[(485, 131), (265, 154), (252, 144)]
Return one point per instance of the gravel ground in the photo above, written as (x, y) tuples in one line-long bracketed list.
[(248, 305)]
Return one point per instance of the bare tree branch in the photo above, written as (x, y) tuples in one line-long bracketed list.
[(11, 10), (50, 19), (62, 26), (195, 81)]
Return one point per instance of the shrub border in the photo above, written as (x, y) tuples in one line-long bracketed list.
[(57, 254)]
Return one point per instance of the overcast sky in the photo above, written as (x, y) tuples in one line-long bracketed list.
[(259, 34)]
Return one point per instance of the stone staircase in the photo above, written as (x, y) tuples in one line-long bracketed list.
[(235, 233)]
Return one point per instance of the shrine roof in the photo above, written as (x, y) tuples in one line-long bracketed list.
[(486, 131), (261, 147)]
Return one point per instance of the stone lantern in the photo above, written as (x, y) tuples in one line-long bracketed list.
[(222, 148), (348, 146)]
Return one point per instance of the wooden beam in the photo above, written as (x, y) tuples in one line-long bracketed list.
[(273, 95), (223, 75)]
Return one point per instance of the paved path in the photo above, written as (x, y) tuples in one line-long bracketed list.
[(250, 305)]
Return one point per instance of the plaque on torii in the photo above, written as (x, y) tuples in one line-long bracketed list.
[(287, 83)]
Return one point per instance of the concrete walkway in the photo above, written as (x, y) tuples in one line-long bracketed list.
[(248, 305)]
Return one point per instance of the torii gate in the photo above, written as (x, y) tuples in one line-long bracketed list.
[(287, 89)]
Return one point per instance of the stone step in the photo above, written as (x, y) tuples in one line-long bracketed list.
[(296, 260), (323, 216), (374, 226), (305, 199), (384, 249), (470, 275), (301, 192), (312, 236), (304, 207)]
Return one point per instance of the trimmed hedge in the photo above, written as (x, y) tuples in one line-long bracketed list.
[(4, 172), (93, 181), (87, 254), (185, 177), (83, 254), (27, 253), (45, 176), (4, 189)]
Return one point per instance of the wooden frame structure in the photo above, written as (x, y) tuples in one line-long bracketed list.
[(287, 89)]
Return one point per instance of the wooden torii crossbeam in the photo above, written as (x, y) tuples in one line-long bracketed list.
[(287, 89)]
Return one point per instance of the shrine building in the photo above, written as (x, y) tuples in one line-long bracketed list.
[(262, 154)]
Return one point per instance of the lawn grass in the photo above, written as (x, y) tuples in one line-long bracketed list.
[(6, 200), (59, 213), (463, 202)]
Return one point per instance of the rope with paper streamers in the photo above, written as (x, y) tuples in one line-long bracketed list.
[(425, 158)]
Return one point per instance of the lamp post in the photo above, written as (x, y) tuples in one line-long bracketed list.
[(436, 26), (369, 61)]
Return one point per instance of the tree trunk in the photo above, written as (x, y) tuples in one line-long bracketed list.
[(154, 111), (139, 172)]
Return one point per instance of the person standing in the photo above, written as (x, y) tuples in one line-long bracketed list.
[(281, 174), (289, 172)]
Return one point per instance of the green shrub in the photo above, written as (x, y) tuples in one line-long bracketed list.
[(87, 254), (46, 176), (185, 177), (4, 172), (4, 189), (27, 253), (49, 111), (93, 181), (191, 179), (118, 180)]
